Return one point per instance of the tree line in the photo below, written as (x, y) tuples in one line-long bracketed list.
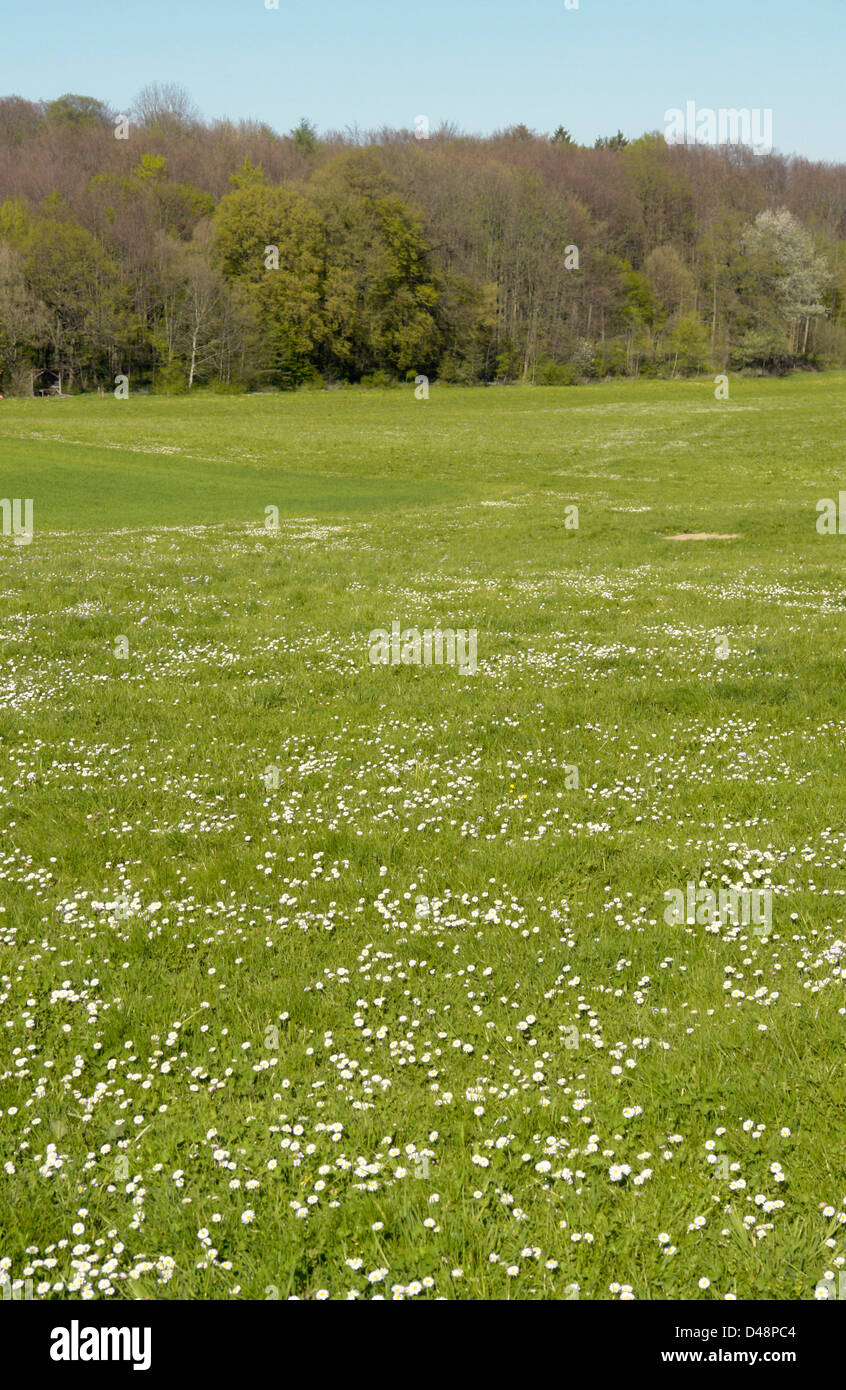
[(224, 255)]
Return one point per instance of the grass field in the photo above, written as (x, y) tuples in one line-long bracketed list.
[(324, 978)]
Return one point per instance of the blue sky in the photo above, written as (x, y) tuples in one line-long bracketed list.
[(482, 64)]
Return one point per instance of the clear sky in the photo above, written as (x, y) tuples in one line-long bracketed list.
[(482, 64)]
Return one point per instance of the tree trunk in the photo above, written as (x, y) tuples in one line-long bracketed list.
[(714, 312), (193, 360)]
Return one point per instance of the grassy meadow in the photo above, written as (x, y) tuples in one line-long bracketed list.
[(322, 978)]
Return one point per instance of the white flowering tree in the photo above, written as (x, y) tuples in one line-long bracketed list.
[(798, 276)]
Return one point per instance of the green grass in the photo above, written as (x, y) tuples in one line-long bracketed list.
[(164, 909)]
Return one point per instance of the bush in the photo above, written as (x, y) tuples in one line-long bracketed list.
[(611, 359), (508, 365), (690, 343), (170, 381), (763, 349), (551, 373), (312, 381), (456, 371), (227, 388), (377, 380)]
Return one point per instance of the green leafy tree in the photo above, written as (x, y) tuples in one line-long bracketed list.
[(247, 175), (15, 222), (269, 242), (86, 302), (76, 111), (380, 297), (304, 137), (23, 319), (610, 142), (689, 345)]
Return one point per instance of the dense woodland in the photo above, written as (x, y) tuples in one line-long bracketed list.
[(184, 254)]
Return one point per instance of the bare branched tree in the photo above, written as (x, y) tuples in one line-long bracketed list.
[(164, 104)]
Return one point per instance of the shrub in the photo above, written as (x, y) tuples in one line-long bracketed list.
[(170, 381), (227, 388), (611, 359), (377, 380), (548, 372)]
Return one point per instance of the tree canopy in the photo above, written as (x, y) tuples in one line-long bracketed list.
[(226, 254)]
